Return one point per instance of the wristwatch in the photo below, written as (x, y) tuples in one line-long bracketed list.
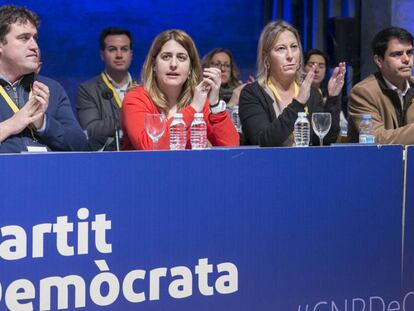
[(219, 107)]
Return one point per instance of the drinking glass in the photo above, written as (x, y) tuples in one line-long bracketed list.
[(155, 125), (321, 123)]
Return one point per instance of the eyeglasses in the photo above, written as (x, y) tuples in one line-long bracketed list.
[(221, 65)]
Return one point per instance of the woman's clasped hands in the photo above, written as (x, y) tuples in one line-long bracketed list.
[(208, 87)]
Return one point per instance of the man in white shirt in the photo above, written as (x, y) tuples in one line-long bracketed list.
[(100, 99), (388, 95)]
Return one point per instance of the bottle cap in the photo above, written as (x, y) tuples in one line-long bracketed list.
[(366, 117)]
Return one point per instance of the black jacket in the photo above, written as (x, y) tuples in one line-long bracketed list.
[(261, 127)]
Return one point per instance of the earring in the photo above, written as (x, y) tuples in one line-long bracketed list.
[(266, 69)]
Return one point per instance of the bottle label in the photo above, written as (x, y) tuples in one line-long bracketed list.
[(366, 139)]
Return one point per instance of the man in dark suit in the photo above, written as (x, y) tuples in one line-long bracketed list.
[(100, 99), (35, 112)]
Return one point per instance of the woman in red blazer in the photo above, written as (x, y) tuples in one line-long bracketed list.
[(172, 81)]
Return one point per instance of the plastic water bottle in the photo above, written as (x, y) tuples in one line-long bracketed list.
[(178, 137), (302, 130), (234, 113), (198, 132), (343, 124), (366, 131)]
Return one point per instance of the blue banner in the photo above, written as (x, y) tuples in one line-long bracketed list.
[(223, 229), (409, 222)]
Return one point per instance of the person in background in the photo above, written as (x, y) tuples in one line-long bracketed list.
[(100, 98), (387, 95), (172, 81), (319, 60), (269, 107), (231, 85), (35, 112)]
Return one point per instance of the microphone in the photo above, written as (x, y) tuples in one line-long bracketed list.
[(108, 95)]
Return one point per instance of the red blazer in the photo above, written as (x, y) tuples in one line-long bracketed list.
[(137, 103)]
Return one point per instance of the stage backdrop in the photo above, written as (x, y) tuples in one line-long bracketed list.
[(70, 31), (239, 229)]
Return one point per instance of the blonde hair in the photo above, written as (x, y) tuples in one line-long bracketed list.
[(148, 76), (268, 38)]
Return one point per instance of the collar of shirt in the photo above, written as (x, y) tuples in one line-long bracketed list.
[(25, 81), (18, 89), (120, 90), (396, 89), (5, 82), (115, 85)]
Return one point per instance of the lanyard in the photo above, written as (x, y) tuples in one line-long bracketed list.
[(111, 87), (13, 106), (276, 93), (8, 100)]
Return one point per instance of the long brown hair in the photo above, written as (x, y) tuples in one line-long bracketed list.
[(148, 77)]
